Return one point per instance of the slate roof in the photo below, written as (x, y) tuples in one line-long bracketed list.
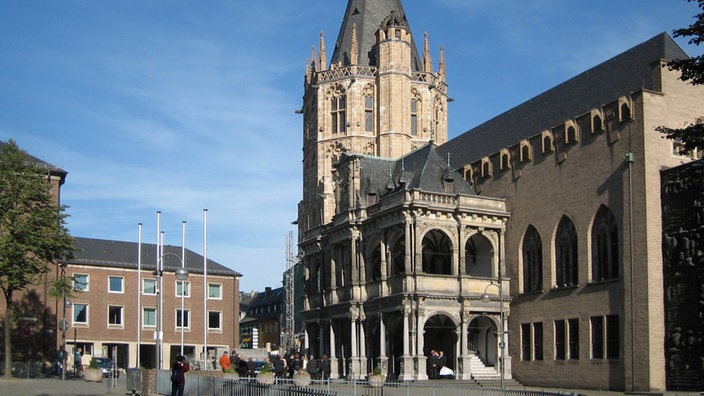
[(623, 74), (118, 254), (265, 299), (55, 170), (368, 15), (421, 169)]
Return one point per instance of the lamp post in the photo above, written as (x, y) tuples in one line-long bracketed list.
[(486, 298)]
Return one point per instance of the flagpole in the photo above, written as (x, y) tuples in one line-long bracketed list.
[(205, 289), (139, 292)]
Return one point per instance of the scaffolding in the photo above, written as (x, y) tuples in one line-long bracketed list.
[(289, 331)]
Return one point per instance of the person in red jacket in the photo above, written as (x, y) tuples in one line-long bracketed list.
[(224, 361), (178, 379)]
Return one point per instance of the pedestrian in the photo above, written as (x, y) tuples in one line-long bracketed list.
[(442, 360), (178, 379), (235, 361), (279, 366), (312, 367), (297, 364), (433, 365), (324, 367), (224, 361), (77, 362), (251, 366)]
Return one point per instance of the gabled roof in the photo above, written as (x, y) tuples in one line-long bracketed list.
[(623, 74), (368, 16), (422, 169), (54, 170), (118, 254)]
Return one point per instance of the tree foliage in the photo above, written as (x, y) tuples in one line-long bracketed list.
[(692, 70), (33, 229)]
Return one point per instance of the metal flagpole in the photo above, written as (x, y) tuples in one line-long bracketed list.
[(139, 292), (205, 289), (183, 283)]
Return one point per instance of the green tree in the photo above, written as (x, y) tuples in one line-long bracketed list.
[(692, 69), (32, 230)]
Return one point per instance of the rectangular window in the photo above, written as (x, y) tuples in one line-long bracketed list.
[(215, 291), (80, 282), (597, 323), (116, 284), (338, 105), (559, 340), (368, 113), (149, 286), (149, 317), (80, 313), (214, 320), (115, 315), (183, 288), (185, 316), (574, 338), (414, 117), (526, 342), (538, 340), (613, 343)]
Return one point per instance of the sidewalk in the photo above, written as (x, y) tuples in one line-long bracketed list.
[(57, 387)]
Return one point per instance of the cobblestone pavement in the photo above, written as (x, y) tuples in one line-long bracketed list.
[(58, 387)]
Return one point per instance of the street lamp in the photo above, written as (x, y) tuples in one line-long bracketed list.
[(486, 298), (182, 275)]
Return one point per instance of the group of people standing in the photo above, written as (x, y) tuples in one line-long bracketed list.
[(286, 367), (436, 361)]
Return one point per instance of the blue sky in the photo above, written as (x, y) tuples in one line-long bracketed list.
[(178, 106)]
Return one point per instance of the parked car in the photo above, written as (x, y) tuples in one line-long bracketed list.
[(107, 366)]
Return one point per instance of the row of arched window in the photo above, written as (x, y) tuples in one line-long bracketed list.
[(604, 253)]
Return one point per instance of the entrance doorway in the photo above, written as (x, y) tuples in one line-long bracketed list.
[(482, 339), (440, 334)]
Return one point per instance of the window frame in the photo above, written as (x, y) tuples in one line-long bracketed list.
[(144, 288), (220, 290), (144, 322), (178, 288), (187, 318), (121, 323), (76, 282), (86, 306), (220, 320), (122, 284)]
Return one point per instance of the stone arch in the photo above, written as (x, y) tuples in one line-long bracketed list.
[(440, 334), (482, 339), (479, 256), (436, 253), (396, 252), (566, 253), (373, 260)]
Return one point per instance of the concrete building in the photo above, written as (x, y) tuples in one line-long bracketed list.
[(116, 304)]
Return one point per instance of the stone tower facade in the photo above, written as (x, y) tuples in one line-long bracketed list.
[(377, 97)]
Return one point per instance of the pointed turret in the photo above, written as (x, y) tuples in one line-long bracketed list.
[(368, 16), (427, 61)]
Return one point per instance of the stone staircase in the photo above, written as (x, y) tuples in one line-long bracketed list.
[(489, 376)]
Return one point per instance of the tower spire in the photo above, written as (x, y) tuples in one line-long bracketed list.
[(323, 62), (441, 64), (427, 61), (354, 47)]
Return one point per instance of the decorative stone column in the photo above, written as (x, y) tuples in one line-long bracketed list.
[(407, 366), (421, 359), (463, 371), (383, 359), (334, 366)]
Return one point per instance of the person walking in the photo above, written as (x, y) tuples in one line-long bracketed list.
[(312, 367), (324, 367), (178, 379), (224, 361)]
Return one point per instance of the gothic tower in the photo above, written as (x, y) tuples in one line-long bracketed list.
[(377, 97)]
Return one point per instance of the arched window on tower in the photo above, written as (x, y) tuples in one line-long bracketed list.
[(532, 260), (437, 253), (566, 254), (338, 106), (605, 251)]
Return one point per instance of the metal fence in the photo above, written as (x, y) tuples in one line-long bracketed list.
[(214, 386)]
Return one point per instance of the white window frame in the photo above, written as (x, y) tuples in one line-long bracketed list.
[(220, 288), (144, 311), (187, 317), (73, 313), (187, 288), (144, 286), (221, 318), (86, 286), (122, 317), (122, 284)]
